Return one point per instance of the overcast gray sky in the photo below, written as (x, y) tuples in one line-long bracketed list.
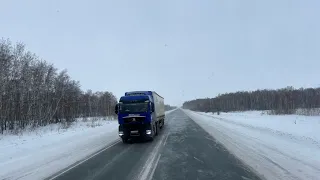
[(183, 49)]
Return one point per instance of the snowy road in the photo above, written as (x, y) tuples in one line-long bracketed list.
[(183, 150), (277, 147)]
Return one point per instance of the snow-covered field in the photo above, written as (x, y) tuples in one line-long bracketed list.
[(275, 146), (45, 151)]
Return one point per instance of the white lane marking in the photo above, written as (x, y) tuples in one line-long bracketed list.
[(165, 141), (245, 178), (150, 162), (198, 159), (155, 167), (148, 168), (95, 154)]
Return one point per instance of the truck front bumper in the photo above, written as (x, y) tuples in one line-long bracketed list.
[(135, 130)]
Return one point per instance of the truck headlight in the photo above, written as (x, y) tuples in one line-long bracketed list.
[(148, 132), (120, 133)]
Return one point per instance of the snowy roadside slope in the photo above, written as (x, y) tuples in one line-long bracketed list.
[(274, 149), (37, 155)]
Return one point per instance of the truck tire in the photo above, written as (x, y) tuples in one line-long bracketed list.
[(124, 140), (153, 132), (162, 124), (157, 128)]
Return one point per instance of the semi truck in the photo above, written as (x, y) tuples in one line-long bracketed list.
[(141, 114)]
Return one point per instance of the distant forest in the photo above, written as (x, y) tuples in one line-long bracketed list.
[(34, 93), (280, 101)]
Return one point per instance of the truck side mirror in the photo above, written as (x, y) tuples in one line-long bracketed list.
[(116, 109), (152, 107)]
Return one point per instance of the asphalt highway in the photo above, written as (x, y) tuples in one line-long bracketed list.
[(182, 150)]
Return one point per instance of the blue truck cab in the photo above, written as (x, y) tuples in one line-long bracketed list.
[(140, 114)]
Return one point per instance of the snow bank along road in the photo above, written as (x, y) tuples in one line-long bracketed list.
[(277, 147), (37, 155), (183, 150)]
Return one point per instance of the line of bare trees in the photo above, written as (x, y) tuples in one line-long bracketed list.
[(281, 101), (34, 93)]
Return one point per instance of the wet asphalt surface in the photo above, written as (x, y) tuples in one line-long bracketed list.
[(182, 150)]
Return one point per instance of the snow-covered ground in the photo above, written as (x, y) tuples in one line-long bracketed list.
[(275, 146), (167, 112), (45, 151)]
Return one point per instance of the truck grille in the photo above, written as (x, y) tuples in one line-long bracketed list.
[(134, 119)]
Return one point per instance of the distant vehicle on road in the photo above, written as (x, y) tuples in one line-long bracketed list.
[(140, 114)]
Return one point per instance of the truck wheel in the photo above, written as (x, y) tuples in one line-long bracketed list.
[(153, 132), (125, 140), (162, 124), (150, 138), (157, 128)]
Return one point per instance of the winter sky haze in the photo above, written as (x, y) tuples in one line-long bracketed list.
[(183, 49)]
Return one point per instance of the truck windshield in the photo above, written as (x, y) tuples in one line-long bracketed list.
[(134, 107)]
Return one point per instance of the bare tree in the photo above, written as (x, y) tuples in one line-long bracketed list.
[(33, 92), (281, 101)]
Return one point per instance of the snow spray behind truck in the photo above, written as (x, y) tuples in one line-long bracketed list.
[(140, 114)]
